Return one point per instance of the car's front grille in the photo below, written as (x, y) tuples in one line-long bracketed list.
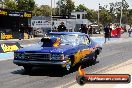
[(35, 56)]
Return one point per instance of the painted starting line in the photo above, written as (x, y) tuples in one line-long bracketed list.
[(99, 40)]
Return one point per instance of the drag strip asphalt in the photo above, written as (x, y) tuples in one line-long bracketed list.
[(12, 76), (25, 43)]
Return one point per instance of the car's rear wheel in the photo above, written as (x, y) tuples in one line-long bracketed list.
[(98, 51), (94, 58), (27, 68)]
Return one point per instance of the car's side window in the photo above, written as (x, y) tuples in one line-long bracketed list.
[(84, 40), (81, 39)]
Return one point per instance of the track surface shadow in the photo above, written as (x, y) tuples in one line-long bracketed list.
[(51, 72)]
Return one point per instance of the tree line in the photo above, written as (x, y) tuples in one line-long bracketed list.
[(20, 5), (108, 14)]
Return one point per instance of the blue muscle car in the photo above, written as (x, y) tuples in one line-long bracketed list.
[(64, 49)]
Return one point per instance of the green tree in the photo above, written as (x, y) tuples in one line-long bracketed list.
[(91, 14), (43, 10), (10, 4), (66, 6), (36, 11), (115, 11), (81, 8), (129, 17), (20, 5), (116, 7), (27, 5), (105, 17)]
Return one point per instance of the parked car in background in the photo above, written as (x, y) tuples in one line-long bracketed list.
[(96, 29), (40, 32), (62, 49)]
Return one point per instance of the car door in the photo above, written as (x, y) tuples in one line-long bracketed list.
[(80, 47), (87, 49), (83, 48)]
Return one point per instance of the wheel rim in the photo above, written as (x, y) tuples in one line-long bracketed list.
[(68, 66), (82, 81), (94, 57)]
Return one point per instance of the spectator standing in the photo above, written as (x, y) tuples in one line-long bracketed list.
[(83, 28), (130, 31), (62, 27), (30, 31), (110, 30), (21, 32), (90, 30), (106, 33)]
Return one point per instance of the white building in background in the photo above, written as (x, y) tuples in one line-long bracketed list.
[(41, 23), (80, 17), (72, 24), (69, 23)]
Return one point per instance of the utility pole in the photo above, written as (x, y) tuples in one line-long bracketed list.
[(121, 13), (98, 16), (54, 8), (59, 6), (51, 16)]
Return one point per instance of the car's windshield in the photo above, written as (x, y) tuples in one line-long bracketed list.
[(67, 39)]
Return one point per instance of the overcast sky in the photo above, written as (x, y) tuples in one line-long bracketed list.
[(91, 4)]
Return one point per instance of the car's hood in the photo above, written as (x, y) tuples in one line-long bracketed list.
[(38, 49)]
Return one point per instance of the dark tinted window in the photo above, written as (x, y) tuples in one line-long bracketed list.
[(78, 16)]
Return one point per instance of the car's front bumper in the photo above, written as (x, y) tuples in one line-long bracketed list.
[(40, 63)]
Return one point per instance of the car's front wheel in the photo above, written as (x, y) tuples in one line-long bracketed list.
[(27, 68), (68, 67), (81, 80)]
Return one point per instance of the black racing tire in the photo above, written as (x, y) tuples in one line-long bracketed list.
[(68, 67), (81, 80), (27, 68), (97, 51), (94, 58)]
